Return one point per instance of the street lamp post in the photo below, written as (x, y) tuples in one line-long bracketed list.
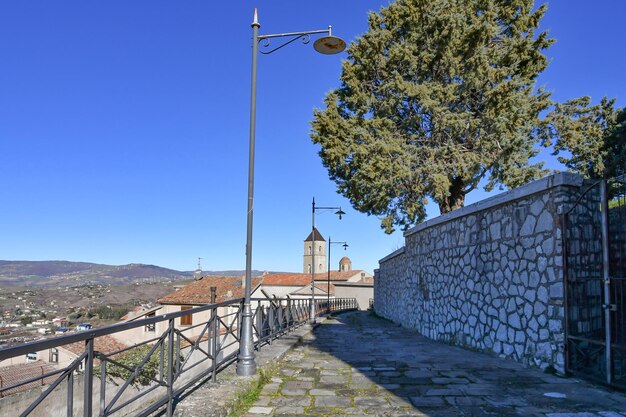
[(340, 213), (345, 247), (246, 363)]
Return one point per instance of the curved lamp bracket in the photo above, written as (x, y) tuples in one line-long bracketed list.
[(265, 42)]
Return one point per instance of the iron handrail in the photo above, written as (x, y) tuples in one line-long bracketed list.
[(217, 342)]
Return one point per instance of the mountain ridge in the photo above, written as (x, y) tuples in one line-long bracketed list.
[(71, 273)]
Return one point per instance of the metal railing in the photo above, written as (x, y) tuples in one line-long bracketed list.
[(148, 376)]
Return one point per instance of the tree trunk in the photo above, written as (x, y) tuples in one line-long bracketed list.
[(456, 198)]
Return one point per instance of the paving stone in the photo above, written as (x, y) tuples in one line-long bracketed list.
[(321, 392), (294, 391), (263, 401), (301, 401), (445, 381), (298, 384), (270, 389), (333, 402), (334, 379), (260, 410), (444, 392), (339, 372), (428, 401), (368, 402), (289, 411)]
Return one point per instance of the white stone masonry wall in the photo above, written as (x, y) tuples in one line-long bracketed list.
[(488, 276)]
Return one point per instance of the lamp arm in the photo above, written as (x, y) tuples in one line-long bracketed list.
[(264, 40)]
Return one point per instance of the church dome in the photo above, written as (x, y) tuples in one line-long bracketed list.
[(345, 264)]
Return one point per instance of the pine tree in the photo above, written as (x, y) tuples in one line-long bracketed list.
[(434, 97), (593, 137)]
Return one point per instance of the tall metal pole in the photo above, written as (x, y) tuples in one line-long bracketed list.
[(328, 280), (608, 353), (246, 363), (312, 312)]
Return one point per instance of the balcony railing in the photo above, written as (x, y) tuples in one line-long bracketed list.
[(148, 376)]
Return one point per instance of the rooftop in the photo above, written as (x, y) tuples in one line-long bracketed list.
[(199, 292), (318, 236)]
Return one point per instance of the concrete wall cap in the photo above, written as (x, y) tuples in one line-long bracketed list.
[(391, 255), (541, 185)]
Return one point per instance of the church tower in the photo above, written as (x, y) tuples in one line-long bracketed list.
[(320, 253)]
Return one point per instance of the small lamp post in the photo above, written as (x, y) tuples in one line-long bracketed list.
[(345, 247), (340, 213), (329, 44)]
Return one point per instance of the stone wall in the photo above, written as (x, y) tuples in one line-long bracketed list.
[(488, 276)]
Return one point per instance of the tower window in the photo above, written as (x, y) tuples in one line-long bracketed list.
[(319, 249), (310, 249), (308, 268)]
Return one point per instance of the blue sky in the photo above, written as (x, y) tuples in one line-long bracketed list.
[(124, 127)]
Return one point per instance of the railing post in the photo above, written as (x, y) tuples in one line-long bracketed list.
[(271, 320), (214, 334), (161, 360), (280, 317), (103, 384), (289, 315), (70, 394), (608, 354), (88, 379), (259, 318), (177, 355), (170, 370)]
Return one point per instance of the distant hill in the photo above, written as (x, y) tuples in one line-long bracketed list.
[(66, 273)]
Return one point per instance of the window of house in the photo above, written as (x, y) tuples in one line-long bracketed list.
[(31, 357), (150, 327), (54, 355), (186, 320)]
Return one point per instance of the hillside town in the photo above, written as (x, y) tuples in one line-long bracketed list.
[(27, 323)]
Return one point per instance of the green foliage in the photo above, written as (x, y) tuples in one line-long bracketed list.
[(593, 137), (437, 95), (26, 320), (244, 401), (75, 315), (132, 358), (108, 312), (617, 202)]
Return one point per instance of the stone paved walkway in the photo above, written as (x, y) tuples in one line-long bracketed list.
[(357, 364)]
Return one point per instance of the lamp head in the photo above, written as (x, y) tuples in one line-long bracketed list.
[(329, 45), (345, 246), (340, 213)]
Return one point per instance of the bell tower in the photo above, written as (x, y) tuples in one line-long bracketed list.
[(319, 246)]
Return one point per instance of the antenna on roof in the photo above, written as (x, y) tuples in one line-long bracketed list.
[(198, 274)]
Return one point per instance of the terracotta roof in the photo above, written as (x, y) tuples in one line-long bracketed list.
[(345, 259), (294, 279), (13, 374), (104, 344), (199, 292), (318, 236)]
